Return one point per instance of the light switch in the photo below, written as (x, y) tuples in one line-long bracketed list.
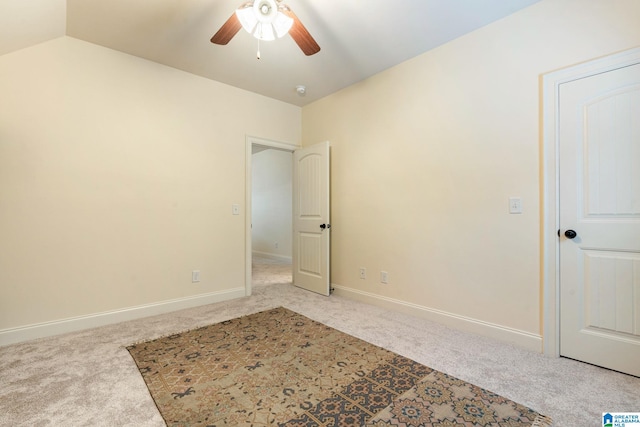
[(235, 209), (515, 205)]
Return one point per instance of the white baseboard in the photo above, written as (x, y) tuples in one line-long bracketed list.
[(46, 329), (514, 336), (272, 256)]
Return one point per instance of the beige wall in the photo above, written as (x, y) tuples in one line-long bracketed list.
[(117, 178), (425, 156)]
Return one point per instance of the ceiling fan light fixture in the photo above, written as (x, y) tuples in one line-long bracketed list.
[(264, 20), (247, 17), (264, 31), (282, 24)]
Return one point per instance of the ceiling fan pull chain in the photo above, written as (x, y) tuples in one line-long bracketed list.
[(258, 54)]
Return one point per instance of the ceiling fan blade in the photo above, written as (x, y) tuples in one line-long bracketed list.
[(301, 36), (227, 31)]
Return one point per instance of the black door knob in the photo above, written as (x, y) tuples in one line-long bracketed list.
[(323, 226), (570, 234)]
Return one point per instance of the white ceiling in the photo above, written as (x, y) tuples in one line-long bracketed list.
[(24, 23), (358, 38)]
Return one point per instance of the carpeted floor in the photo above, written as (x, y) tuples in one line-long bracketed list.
[(88, 378), (268, 271)]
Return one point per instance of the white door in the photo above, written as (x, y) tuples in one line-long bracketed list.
[(311, 226), (599, 184)]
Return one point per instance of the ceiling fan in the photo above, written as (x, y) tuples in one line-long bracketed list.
[(266, 19)]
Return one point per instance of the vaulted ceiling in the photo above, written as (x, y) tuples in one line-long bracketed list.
[(358, 38)]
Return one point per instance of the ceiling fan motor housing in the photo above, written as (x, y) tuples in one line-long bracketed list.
[(265, 10)]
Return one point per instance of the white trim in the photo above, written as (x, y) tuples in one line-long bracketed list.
[(249, 141), (550, 204), (73, 324), (523, 339)]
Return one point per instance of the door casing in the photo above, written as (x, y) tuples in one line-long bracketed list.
[(549, 186)]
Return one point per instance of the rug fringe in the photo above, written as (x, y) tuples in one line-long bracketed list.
[(542, 421)]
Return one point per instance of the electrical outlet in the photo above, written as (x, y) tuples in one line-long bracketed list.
[(515, 205), (363, 273), (384, 277), (276, 244), (195, 276)]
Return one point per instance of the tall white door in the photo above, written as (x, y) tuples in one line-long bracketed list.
[(311, 226), (599, 176)]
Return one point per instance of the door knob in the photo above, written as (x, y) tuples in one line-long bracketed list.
[(323, 226), (570, 234)]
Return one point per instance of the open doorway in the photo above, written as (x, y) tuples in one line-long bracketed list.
[(269, 213)]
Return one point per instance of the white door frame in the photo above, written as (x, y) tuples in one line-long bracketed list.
[(550, 199), (249, 142)]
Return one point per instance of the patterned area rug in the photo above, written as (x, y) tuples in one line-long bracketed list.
[(278, 367)]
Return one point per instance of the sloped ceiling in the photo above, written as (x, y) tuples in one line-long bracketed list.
[(24, 23), (358, 38)]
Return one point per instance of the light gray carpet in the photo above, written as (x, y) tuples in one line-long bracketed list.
[(89, 379), (267, 271)]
